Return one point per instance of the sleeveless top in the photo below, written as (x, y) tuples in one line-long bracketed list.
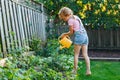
[(76, 25)]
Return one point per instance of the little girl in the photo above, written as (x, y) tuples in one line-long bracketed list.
[(80, 36)]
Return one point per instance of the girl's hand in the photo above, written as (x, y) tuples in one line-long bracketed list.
[(63, 35)]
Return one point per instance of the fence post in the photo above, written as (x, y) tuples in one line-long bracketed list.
[(2, 37), (43, 24)]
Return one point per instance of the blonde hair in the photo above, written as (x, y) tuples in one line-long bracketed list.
[(65, 11)]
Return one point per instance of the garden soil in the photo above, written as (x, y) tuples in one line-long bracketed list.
[(104, 53)]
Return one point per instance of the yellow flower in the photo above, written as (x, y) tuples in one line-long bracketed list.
[(103, 8), (108, 12), (79, 2), (101, 5), (115, 12), (105, 1), (84, 7), (96, 11), (82, 14), (89, 6), (117, 1)]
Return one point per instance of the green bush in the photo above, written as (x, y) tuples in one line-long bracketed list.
[(56, 67), (52, 48), (51, 64)]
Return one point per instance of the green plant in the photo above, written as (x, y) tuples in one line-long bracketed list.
[(33, 67), (53, 47), (57, 66), (94, 13), (35, 44)]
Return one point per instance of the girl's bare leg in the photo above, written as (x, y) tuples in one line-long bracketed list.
[(87, 60), (76, 55)]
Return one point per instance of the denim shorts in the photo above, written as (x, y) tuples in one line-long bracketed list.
[(81, 38)]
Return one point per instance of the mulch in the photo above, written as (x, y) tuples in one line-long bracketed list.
[(104, 53)]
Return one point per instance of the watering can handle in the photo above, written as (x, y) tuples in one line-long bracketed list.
[(65, 36)]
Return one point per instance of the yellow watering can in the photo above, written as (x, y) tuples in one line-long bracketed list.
[(65, 42)]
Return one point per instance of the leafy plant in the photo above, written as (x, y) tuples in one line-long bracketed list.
[(32, 67), (53, 47), (35, 44)]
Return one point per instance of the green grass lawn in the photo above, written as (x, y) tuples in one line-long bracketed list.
[(101, 70)]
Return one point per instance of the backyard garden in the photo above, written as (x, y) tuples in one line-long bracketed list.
[(54, 64), (29, 53)]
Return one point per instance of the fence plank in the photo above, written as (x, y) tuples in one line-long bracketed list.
[(24, 25), (17, 25), (21, 25), (5, 24), (111, 38), (40, 29), (118, 38), (13, 24), (35, 22), (10, 31), (29, 24), (37, 17), (2, 33), (99, 38)]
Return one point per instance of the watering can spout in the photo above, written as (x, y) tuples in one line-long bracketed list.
[(65, 42), (61, 47)]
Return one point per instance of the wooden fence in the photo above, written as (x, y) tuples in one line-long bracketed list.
[(19, 23), (100, 38), (104, 39)]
